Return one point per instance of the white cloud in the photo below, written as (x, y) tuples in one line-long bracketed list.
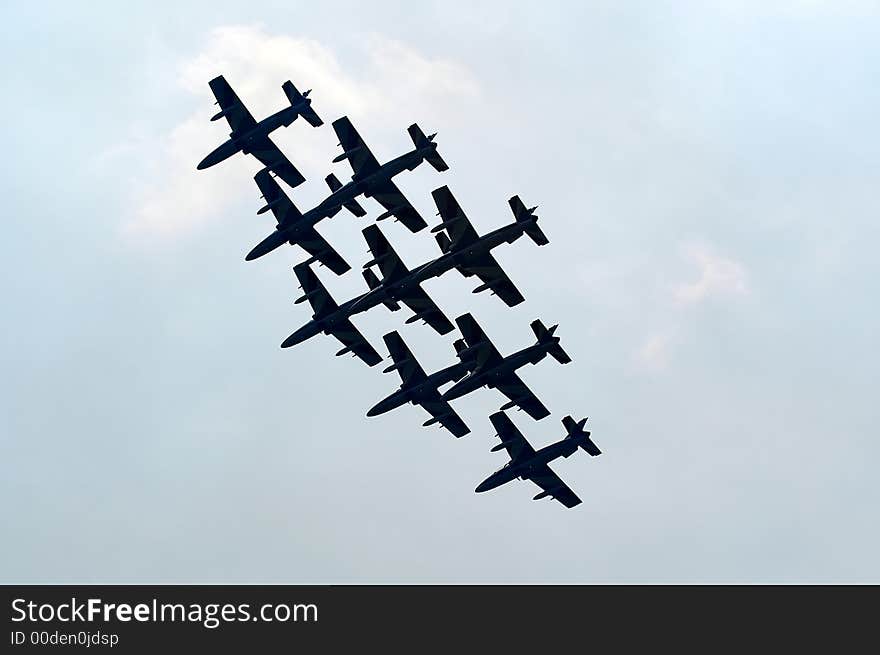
[(717, 276), (654, 353), (395, 87)]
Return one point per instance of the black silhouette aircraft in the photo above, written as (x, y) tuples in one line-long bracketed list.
[(528, 464), (398, 284), (329, 318), (294, 227), (471, 254), (252, 137), (492, 370), (419, 388), (374, 180)]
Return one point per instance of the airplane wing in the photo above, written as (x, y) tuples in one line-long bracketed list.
[(282, 207), (545, 478), (358, 154), (271, 157), (511, 438), (321, 301), (490, 272), (405, 363), (348, 334), (485, 351), (412, 373), (517, 447), (515, 389), (461, 232), (425, 309), (237, 115), (443, 414), (317, 247), (390, 264), (390, 197)]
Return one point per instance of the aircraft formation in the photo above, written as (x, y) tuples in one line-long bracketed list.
[(478, 363)]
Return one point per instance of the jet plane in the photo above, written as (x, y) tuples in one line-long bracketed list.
[(419, 388), (492, 370), (374, 180), (250, 137), (295, 227), (329, 318), (398, 284), (471, 254), (528, 464)]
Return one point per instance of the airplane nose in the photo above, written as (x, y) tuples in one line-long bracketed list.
[(483, 486)]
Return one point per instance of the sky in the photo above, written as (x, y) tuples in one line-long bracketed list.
[(705, 171)]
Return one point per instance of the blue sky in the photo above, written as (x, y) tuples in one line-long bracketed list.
[(706, 173)]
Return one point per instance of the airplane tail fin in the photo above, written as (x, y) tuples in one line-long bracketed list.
[(373, 282), (443, 241), (421, 141), (526, 216), (352, 205), (545, 336), (575, 431), (460, 345)]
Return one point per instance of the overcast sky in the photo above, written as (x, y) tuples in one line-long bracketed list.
[(706, 173)]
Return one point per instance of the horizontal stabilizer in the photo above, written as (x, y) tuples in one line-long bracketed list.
[(352, 205), (537, 235), (557, 353), (529, 220), (427, 142), (575, 431), (418, 137), (302, 103), (546, 336), (437, 162), (293, 95), (541, 331)]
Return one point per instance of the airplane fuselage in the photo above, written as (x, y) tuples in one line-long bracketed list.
[(406, 162), (505, 234), (406, 394), (416, 393), (434, 268), (366, 183), (521, 469), (325, 324), (463, 257), (241, 142), (387, 291), (489, 377), (288, 231)]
